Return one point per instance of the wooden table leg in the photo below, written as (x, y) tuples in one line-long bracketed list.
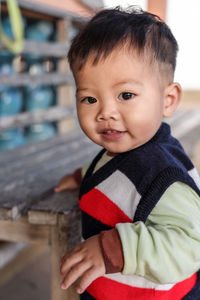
[(58, 249)]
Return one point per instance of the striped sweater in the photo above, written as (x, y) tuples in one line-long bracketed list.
[(126, 189)]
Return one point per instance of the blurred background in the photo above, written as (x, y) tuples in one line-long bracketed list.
[(37, 99), (31, 103)]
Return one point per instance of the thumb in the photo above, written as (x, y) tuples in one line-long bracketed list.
[(57, 189)]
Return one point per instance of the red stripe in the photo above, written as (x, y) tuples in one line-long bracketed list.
[(99, 206), (107, 289)]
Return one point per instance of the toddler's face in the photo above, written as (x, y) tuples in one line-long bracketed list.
[(120, 101)]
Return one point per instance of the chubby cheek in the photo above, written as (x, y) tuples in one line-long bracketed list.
[(142, 126), (87, 126), (148, 129)]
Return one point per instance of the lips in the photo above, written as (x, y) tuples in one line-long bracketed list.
[(112, 134)]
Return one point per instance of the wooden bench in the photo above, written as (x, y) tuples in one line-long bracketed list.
[(31, 212)]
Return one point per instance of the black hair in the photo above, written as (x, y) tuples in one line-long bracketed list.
[(144, 32)]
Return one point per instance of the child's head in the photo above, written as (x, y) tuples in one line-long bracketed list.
[(123, 63), (140, 31)]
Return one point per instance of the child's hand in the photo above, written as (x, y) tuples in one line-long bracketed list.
[(67, 183), (85, 261)]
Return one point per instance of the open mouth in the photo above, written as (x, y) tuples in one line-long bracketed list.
[(112, 134), (111, 131)]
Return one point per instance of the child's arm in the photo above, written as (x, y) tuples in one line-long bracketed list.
[(85, 261), (69, 182), (165, 249), (161, 250)]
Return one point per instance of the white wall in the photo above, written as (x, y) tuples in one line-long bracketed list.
[(183, 17)]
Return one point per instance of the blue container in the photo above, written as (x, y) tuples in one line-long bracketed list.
[(10, 101), (11, 139), (39, 31), (7, 29), (6, 67), (6, 56), (40, 131), (39, 97)]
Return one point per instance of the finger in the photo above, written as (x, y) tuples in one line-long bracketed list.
[(62, 185), (70, 253), (74, 274), (87, 278), (69, 261), (57, 189), (60, 188)]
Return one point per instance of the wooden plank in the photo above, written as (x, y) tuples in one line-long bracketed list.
[(52, 49), (24, 179), (35, 9), (42, 218), (12, 156), (9, 250), (65, 202), (59, 247), (17, 264), (21, 231), (49, 49), (50, 156), (26, 192), (23, 79), (5, 213), (10, 213), (51, 114), (43, 161), (65, 92)]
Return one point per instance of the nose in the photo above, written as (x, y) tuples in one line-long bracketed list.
[(107, 111)]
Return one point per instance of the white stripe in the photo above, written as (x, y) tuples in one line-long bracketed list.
[(121, 191), (138, 281), (195, 176)]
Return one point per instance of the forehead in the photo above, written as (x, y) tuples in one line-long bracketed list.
[(121, 63), (118, 56)]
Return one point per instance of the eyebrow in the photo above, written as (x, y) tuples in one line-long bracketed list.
[(131, 81), (81, 89)]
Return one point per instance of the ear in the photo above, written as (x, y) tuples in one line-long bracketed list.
[(172, 99)]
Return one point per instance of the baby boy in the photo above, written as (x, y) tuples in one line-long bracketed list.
[(139, 197)]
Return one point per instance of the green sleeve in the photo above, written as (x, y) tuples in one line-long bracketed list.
[(165, 249)]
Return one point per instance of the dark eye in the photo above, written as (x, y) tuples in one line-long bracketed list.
[(89, 100), (126, 96)]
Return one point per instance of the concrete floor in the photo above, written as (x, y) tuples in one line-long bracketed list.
[(32, 283)]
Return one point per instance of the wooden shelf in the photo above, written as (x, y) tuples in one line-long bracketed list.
[(24, 79), (47, 49), (52, 114), (53, 52), (38, 10)]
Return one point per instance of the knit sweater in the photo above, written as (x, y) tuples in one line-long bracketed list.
[(126, 189)]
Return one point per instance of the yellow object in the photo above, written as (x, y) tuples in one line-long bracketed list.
[(15, 45)]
